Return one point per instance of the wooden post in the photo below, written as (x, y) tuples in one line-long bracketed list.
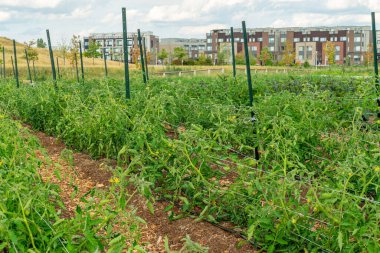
[(81, 61), (27, 64), (4, 63), (58, 70)]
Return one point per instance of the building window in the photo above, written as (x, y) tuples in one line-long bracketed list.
[(315, 38), (220, 40), (307, 39), (260, 39), (271, 48), (357, 49), (271, 40), (344, 38), (357, 39), (337, 57), (323, 39), (337, 48), (300, 57), (296, 39), (209, 40), (209, 48)]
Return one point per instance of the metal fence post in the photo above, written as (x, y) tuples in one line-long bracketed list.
[(249, 80), (51, 59), (15, 66), (375, 59), (105, 62), (125, 51), (141, 55), (76, 66), (233, 51), (146, 61)]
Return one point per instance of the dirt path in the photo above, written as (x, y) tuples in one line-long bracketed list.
[(82, 174)]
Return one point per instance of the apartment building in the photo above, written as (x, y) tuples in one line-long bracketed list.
[(194, 47), (351, 43), (113, 45)]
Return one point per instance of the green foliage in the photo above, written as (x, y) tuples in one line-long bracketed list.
[(180, 53), (266, 57), (41, 43), (163, 55), (92, 51), (190, 140)]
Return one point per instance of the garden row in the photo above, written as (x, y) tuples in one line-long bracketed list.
[(191, 141)]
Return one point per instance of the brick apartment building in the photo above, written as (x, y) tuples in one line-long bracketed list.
[(194, 47), (351, 43), (113, 44)]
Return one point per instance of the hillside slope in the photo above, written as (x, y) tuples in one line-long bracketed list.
[(43, 56)]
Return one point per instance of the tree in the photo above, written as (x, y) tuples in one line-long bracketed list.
[(288, 55), (330, 52), (31, 51), (63, 50), (368, 56), (180, 53), (41, 43), (163, 55), (222, 57), (92, 51), (135, 56), (266, 57), (73, 50)]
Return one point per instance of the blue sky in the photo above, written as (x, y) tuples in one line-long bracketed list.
[(28, 19)]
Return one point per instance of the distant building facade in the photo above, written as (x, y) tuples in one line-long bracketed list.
[(113, 45), (351, 43), (194, 47)]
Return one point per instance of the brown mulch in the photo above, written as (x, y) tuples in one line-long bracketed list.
[(86, 173)]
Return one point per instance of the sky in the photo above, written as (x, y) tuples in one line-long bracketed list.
[(26, 20)]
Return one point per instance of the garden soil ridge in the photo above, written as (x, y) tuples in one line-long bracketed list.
[(89, 173)]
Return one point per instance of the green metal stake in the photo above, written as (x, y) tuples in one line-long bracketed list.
[(233, 51), (58, 71), (146, 61), (34, 71), (76, 66), (27, 63), (125, 51), (105, 62), (375, 64), (141, 55), (4, 63), (247, 64), (375, 59), (81, 60), (249, 79), (52, 60), (15, 66)]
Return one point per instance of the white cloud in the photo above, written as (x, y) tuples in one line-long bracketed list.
[(35, 4), (199, 31), (190, 9), (373, 5), (4, 15), (81, 12)]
